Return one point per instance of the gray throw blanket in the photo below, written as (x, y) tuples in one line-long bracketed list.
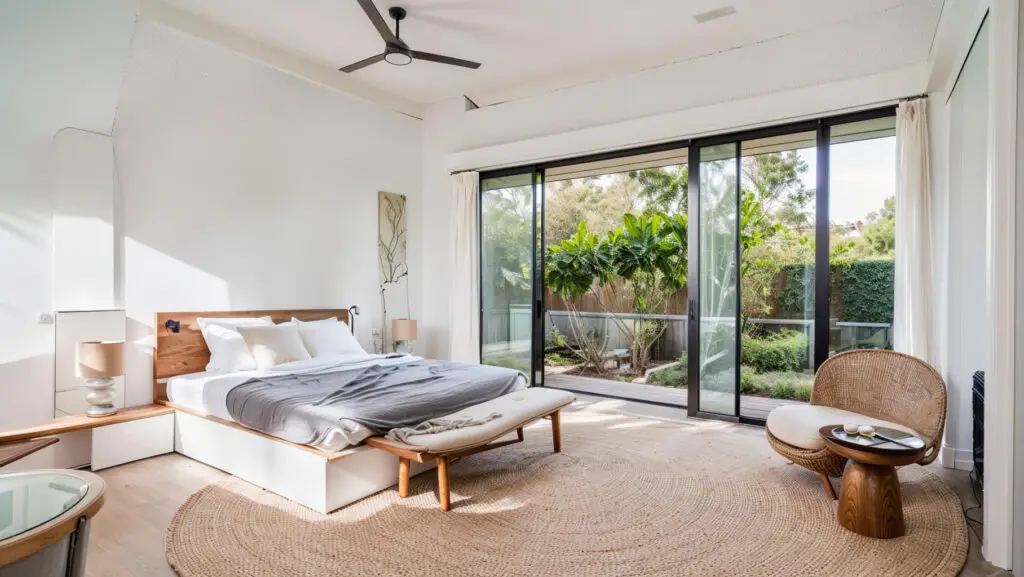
[(302, 407), (439, 426)]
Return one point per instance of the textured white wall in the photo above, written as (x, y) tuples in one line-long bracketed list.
[(60, 66), (966, 310), (247, 188), (82, 168)]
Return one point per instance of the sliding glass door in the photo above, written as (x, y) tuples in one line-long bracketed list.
[(718, 238), (715, 274), (509, 264)]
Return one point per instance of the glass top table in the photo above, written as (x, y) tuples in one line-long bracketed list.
[(28, 500)]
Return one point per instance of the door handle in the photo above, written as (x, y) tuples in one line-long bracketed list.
[(693, 309)]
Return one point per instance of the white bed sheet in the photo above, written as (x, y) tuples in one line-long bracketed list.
[(207, 393)]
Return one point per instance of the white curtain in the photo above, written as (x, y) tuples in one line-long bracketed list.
[(464, 297), (912, 325)]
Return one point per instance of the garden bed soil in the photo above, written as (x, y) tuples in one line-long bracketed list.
[(612, 373)]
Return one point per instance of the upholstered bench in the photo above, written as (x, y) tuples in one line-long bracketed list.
[(516, 410)]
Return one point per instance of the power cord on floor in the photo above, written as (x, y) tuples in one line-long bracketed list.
[(977, 526)]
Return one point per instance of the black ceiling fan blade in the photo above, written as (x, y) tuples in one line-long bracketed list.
[(444, 59), (363, 63), (379, 23)]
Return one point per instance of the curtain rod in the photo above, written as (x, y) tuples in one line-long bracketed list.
[(890, 102)]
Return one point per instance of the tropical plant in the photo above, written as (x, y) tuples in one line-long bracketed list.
[(648, 253), (574, 266)]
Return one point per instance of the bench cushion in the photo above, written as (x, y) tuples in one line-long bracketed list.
[(516, 409), (798, 425)]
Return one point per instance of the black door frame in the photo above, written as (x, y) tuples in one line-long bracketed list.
[(822, 128)]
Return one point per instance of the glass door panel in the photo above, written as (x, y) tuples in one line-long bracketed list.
[(862, 235), (777, 241), (507, 264), (718, 280)]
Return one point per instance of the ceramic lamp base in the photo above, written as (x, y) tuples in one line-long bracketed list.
[(404, 347), (100, 397)]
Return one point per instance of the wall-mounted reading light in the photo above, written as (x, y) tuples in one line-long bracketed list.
[(353, 311)]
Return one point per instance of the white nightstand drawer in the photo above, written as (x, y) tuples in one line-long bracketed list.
[(133, 440)]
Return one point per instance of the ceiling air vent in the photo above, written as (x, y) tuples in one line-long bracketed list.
[(715, 14)]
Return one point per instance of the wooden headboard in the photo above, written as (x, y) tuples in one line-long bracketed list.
[(185, 351)]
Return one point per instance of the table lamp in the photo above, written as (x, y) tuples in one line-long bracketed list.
[(99, 362), (403, 331)]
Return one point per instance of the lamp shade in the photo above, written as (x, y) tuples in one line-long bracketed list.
[(403, 329), (100, 359)]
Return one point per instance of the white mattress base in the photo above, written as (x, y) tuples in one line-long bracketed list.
[(293, 473)]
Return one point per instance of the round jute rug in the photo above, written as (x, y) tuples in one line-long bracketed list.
[(627, 496)]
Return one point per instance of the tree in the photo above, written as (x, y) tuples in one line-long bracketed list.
[(879, 232), (646, 254), (663, 190), (776, 225), (599, 202), (574, 266)]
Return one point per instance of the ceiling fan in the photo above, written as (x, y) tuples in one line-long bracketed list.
[(396, 51)]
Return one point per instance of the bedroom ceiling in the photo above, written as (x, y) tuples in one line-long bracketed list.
[(533, 46)]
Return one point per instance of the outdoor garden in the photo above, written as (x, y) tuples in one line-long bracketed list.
[(616, 273)]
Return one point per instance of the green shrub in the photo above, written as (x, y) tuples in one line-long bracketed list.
[(782, 351), (779, 385), (674, 376), (783, 390), (862, 289), (516, 363), (803, 392), (749, 384), (559, 360)]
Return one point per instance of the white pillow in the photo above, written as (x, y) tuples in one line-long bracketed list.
[(274, 344), (328, 337), (228, 351)]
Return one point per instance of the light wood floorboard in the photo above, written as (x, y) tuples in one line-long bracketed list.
[(127, 536)]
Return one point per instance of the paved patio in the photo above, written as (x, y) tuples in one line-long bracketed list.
[(751, 407)]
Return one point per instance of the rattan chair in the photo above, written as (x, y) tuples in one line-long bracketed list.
[(884, 385)]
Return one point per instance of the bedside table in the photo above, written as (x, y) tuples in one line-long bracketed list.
[(128, 435)]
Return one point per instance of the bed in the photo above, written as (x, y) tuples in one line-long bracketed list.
[(324, 477)]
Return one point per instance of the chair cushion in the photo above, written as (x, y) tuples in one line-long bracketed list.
[(516, 409), (798, 425)]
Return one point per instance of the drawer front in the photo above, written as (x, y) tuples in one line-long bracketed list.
[(125, 442)]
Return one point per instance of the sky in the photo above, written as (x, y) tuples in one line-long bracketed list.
[(862, 175)]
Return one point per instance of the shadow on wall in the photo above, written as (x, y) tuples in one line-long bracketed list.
[(26, 402), (24, 225)]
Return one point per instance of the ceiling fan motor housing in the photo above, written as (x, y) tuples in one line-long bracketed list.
[(397, 55)]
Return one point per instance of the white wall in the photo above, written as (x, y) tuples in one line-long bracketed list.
[(247, 188), (966, 314), (1018, 468), (60, 66)]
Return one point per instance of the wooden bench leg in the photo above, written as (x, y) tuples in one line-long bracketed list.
[(442, 483), (403, 477), (556, 431), (519, 433)]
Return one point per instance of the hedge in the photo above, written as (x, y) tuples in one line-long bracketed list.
[(782, 351), (862, 290)]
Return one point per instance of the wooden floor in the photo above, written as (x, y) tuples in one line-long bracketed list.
[(750, 406), (127, 536)]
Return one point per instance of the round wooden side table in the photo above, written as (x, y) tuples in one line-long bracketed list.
[(870, 503)]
